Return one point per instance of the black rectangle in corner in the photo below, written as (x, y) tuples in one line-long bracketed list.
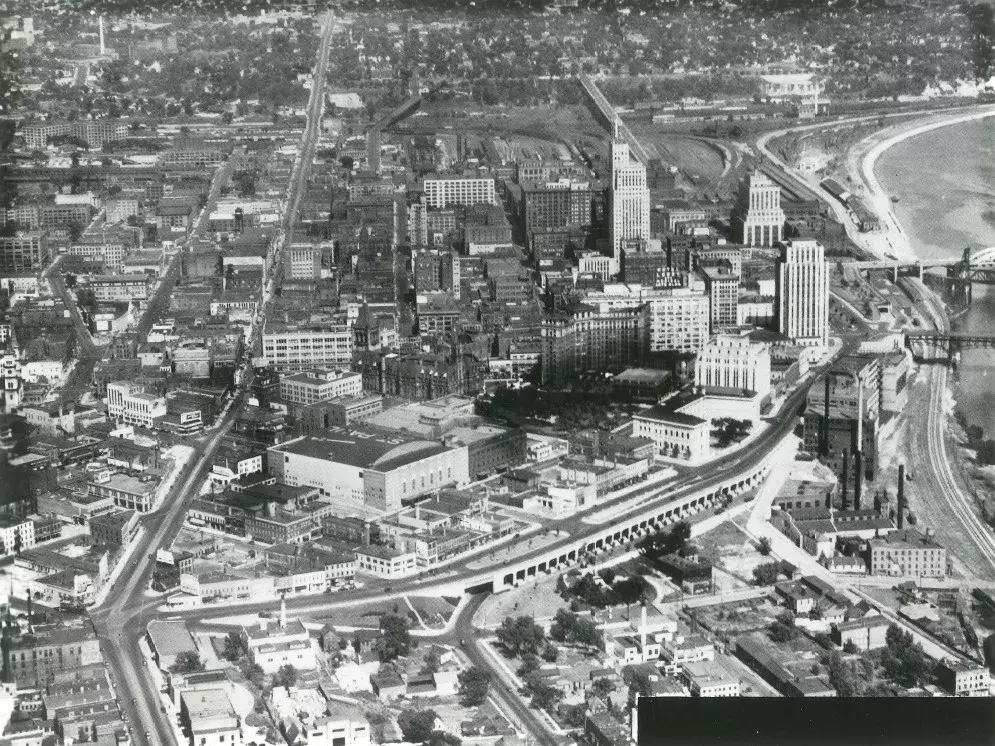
[(763, 721)]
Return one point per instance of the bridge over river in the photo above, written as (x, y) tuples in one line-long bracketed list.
[(976, 265)]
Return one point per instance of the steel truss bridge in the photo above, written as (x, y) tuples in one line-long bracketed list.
[(975, 266), (942, 346)]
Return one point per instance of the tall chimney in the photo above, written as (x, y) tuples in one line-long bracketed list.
[(900, 511), (103, 48), (845, 480), (642, 630), (824, 446), (283, 612), (860, 415), (858, 478)]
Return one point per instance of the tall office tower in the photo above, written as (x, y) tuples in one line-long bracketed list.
[(758, 210), (802, 292), (630, 197), (373, 150)]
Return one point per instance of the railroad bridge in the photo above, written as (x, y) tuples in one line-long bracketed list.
[(974, 266), (942, 346)]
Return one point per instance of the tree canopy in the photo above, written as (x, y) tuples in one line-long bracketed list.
[(416, 725), (474, 685), (187, 661), (395, 637), (521, 636)]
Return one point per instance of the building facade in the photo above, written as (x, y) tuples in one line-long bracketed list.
[(440, 193), (319, 385), (630, 196), (734, 362), (758, 211), (802, 293)]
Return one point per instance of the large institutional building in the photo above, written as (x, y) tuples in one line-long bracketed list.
[(630, 196), (441, 193), (758, 211), (803, 293), (734, 362), (369, 467), (320, 385), (24, 252), (298, 347), (588, 338)]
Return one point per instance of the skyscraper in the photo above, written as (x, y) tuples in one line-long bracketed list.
[(803, 293), (630, 197), (758, 210)]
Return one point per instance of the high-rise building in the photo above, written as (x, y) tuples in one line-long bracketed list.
[(586, 338), (23, 252), (446, 191), (302, 261), (557, 204), (723, 296), (630, 197), (373, 150), (678, 317), (758, 211), (803, 293)]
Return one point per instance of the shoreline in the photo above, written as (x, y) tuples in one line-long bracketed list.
[(893, 234)]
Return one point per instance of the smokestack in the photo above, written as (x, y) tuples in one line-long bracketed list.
[(283, 612), (900, 510), (846, 468), (642, 630), (860, 414), (824, 446), (858, 478), (103, 48)]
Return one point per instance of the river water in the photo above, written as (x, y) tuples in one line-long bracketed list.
[(945, 181)]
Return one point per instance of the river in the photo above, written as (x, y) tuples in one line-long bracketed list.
[(945, 181)]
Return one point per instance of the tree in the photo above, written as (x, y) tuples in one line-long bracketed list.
[(347, 162), (530, 664), (764, 546), (253, 672), (70, 280), (783, 628), (766, 574), (520, 636), (474, 685), (233, 649), (850, 648), (416, 725), (989, 650), (186, 662), (442, 738), (544, 696), (286, 676), (563, 624), (550, 653), (602, 687), (395, 637), (840, 676), (659, 545), (631, 590), (607, 575), (433, 658), (903, 660)]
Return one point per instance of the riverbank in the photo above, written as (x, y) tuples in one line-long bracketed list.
[(861, 162), (940, 215)]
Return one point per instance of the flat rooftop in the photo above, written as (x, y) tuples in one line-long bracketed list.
[(363, 447)]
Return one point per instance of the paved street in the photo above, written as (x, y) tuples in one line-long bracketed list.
[(120, 621)]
